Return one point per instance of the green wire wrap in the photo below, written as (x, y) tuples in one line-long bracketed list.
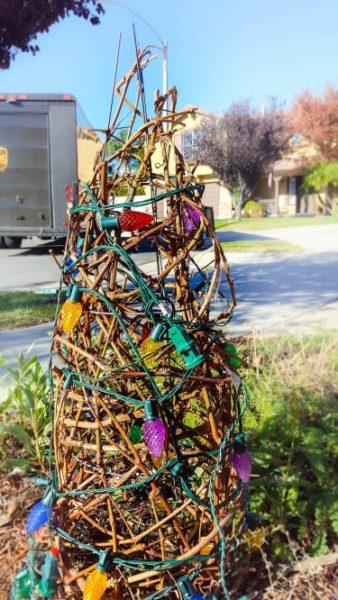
[(83, 380)]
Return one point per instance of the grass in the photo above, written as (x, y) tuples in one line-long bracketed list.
[(259, 223), (21, 309), (260, 246)]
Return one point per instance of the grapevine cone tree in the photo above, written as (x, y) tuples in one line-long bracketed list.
[(151, 465)]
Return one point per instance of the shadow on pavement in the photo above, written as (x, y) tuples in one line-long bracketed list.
[(278, 287), (234, 236), (41, 249)]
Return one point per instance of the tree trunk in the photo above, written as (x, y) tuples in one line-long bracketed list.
[(236, 203), (242, 198), (329, 194)]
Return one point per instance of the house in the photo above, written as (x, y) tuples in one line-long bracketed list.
[(280, 192), (215, 194)]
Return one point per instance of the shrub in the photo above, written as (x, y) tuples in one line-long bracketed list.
[(293, 428), (25, 422), (252, 208)]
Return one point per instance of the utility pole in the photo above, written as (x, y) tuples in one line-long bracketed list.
[(165, 78)]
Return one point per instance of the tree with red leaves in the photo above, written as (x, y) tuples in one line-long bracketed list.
[(316, 119), (22, 20)]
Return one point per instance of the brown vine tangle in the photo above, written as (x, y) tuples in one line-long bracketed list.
[(158, 521)]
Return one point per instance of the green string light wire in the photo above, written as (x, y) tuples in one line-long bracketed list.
[(127, 399), (138, 203), (142, 565), (169, 588), (149, 300), (213, 508)]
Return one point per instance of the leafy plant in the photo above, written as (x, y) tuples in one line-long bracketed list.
[(25, 422), (294, 437), (252, 208), (322, 177)]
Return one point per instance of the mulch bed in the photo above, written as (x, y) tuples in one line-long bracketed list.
[(309, 579)]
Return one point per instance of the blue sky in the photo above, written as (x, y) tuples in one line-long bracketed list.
[(220, 51)]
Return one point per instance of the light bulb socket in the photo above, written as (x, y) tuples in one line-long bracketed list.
[(187, 590), (47, 500), (239, 443), (47, 588), (150, 410), (192, 358), (157, 332), (111, 222), (252, 520), (50, 573), (177, 469), (68, 379), (180, 338), (103, 564), (75, 293), (185, 346)]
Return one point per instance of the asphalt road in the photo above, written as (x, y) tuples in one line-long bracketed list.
[(275, 292), (295, 292)]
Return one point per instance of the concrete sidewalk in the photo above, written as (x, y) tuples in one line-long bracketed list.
[(31, 341)]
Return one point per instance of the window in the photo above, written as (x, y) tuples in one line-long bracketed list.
[(190, 145), (296, 139)]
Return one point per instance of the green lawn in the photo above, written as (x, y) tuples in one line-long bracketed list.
[(256, 224), (255, 245), (20, 309)]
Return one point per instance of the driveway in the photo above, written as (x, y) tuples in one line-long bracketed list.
[(297, 292)]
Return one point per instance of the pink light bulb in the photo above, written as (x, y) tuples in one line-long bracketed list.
[(155, 436)]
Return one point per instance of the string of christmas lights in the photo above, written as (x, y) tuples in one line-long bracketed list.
[(149, 468)]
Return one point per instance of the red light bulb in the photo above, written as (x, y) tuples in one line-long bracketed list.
[(132, 220)]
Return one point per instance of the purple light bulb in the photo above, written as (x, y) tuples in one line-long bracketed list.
[(191, 218), (155, 435), (243, 465)]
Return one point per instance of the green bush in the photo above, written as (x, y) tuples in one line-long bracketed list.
[(252, 208), (25, 422), (293, 432)]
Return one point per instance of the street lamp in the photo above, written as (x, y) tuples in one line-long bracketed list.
[(163, 48)]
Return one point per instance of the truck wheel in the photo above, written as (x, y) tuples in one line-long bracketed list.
[(12, 242)]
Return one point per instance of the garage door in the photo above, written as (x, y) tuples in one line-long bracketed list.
[(211, 197)]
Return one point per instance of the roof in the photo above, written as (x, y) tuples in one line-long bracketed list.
[(288, 166)]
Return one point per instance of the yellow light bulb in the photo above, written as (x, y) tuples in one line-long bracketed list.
[(254, 538), (207, 549), (95, 585), (70, 315), (150, 346)]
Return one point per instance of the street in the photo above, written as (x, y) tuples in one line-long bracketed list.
[(275, 292)]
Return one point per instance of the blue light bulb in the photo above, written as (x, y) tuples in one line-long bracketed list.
[(38, 516)]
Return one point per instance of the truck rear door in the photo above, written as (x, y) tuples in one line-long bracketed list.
[(25, 196)]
